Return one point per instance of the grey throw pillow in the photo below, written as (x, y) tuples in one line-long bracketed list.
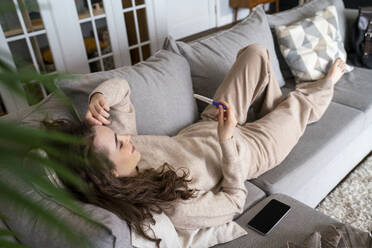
[(211, 57), (161, 92), (110, 231), (296, 14)]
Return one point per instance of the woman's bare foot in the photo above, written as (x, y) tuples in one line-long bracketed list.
[(336, 71)]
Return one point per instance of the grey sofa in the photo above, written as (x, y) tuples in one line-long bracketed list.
[(325, 154)]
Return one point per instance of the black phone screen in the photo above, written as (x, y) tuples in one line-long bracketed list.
[(269, 216)]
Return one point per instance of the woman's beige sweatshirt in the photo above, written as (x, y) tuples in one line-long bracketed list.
[(215, 167)]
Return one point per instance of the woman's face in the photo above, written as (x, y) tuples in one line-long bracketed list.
[(120, 150)]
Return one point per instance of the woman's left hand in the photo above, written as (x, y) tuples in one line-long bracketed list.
[(226, 121)]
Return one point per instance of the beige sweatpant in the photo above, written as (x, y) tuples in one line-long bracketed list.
[(251, 81)]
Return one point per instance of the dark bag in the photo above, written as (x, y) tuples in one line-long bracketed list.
[(361, 38)]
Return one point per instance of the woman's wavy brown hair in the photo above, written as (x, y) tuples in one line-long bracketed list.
[(133, 199)]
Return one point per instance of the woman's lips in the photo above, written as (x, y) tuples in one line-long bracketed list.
[(133, 148)]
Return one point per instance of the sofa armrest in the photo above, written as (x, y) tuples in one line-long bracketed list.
[(300, 222), (350, 16)]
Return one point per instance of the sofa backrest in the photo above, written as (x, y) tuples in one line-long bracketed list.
[(212, 57)]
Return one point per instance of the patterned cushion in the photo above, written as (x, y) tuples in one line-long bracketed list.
[(311, 45)]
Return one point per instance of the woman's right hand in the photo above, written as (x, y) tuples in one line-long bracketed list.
[(226, 121), (98, 109)]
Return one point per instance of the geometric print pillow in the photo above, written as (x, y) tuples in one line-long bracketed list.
[(311, 45)]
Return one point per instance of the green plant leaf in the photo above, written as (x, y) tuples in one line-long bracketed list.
[(16, 142), (9, 244), (33, 136), (63, 172), (34, 179), (45, 215), (5, 232)]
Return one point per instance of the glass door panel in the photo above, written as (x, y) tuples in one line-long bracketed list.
[(146, 51), (83, 8), (28, 10), (108, 63), (134, 55), (31, 15), (98, 8), (140, 2), (131, 28), (89, 40), (136, 24), (21, 54), (142, 24), (127, 3), (95, 66), (28, 42), (9, 20), (95, 33), (103, 35)]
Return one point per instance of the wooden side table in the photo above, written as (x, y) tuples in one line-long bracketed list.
[(236, 4)]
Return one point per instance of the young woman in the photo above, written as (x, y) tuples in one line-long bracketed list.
[(197, 177)]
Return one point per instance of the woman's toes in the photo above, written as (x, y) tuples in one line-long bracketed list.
[(337, 70)]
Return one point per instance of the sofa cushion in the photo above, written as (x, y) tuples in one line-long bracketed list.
[(310, 160), (298, 13), (255, 195), (109, 231), (161, 92), (51, 107), (211, 57), (355, 90)]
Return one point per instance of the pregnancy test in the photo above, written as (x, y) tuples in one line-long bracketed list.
[(209, 101)]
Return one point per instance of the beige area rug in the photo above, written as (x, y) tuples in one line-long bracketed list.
[(351, 201)]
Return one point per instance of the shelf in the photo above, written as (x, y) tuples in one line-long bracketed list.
[(37, 24), (96, 12)]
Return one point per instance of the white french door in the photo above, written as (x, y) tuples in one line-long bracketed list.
[(111, 33), (25, 43), (134, 24), (74, 36)]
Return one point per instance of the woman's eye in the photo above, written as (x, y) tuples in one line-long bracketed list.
[(121, 144)]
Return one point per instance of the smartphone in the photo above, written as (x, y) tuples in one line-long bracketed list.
[(269, 217)]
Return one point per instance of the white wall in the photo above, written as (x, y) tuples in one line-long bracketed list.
[(187, 17), (225, 14)]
